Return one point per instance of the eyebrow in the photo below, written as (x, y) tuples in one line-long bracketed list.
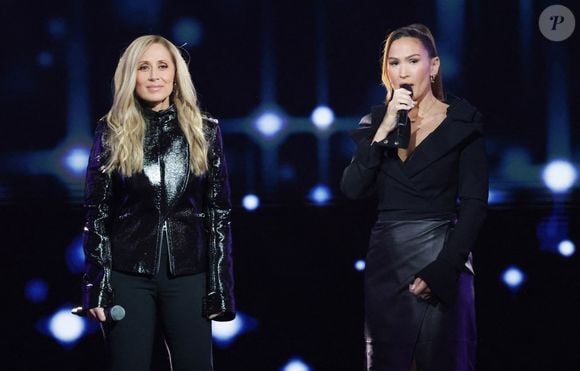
[(159, 61), (410, 56)]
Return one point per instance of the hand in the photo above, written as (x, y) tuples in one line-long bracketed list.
[(420, 289), (97, 314), (401, 100)]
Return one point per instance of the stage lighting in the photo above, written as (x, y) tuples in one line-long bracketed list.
[(251, 202), (45, 59), (566, 248), (360, 265), (225, 333), (187, 31), (36, 290), (496, 197), (513, 277), (65, 327), (269, 124), (320, 194), (56, 27), (322, 117), (75, 256), (559, 176), (296, 364), (76, 160)]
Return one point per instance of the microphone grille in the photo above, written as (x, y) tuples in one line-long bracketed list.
[(117, 312)]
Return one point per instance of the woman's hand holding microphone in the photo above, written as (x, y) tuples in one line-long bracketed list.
[(401, 100)]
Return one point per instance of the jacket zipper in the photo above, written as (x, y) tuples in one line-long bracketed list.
[(163, 235)]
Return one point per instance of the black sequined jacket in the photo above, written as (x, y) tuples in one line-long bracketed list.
[(127, 216)]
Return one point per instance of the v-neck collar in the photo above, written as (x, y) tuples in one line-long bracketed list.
[(426, 139), (462, 120)]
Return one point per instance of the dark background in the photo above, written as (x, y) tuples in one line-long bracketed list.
[(294, 257)]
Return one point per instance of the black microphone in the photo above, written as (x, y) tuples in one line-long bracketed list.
[(399, 137), (402, 114), (112, 314)]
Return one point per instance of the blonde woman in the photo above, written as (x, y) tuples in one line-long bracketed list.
[(157, 234), (419, 298)]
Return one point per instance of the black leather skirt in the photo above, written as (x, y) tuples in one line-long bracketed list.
[(401, 328)]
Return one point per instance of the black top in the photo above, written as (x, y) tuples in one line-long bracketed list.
[(446, 175)]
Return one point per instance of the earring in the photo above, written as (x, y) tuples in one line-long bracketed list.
[(432, 78)]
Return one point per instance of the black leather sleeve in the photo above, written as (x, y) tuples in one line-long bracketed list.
[(220, 298), (96, 287)]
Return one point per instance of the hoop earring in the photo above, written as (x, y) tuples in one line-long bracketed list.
[(432, 79)]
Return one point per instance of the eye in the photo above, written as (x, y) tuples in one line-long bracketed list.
[(143, 67), (163, 67), (413, 61), (393, 63)]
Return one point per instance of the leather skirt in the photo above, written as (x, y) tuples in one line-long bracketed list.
[(401, 328)]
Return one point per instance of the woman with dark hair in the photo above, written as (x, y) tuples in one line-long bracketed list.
[(157, 234), (424, 156)]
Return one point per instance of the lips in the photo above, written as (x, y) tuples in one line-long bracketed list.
[(155, 87)]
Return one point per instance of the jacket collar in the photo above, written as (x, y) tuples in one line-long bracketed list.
[(162, 116), (462, 121)]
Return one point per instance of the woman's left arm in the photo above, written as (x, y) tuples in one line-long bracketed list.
[(219, 304), (442, 274)]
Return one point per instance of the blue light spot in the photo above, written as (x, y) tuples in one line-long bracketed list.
[(76, 160), (322, 117), (225, 333), (251, 202), (269, 124), (360, 265), (45, 59), (566, 248), (296, 364), (56, 27), (513, 277), (36, 290), (320, 194), (559, 176), (75, 256), (496, 197), (187, 31), (65, 327)]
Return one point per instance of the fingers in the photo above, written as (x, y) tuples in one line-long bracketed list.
[(420, 289), (401, 100), (97, 314)]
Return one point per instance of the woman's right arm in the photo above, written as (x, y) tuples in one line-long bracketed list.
[(358, 179), (96, 286)]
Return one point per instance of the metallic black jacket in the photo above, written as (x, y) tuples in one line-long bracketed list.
[(126, 216)]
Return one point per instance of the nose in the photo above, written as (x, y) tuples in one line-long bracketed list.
[(403, 71), (153, 74)]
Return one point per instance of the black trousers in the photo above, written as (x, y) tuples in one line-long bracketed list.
[(173, 301)]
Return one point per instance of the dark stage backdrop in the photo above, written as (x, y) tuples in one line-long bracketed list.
[(288, 80)]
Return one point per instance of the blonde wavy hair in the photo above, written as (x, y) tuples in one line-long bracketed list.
[(125, 118), (423, 34)]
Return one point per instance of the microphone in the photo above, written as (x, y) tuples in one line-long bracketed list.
[(399, 137), (112, 314), (402, 114)]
